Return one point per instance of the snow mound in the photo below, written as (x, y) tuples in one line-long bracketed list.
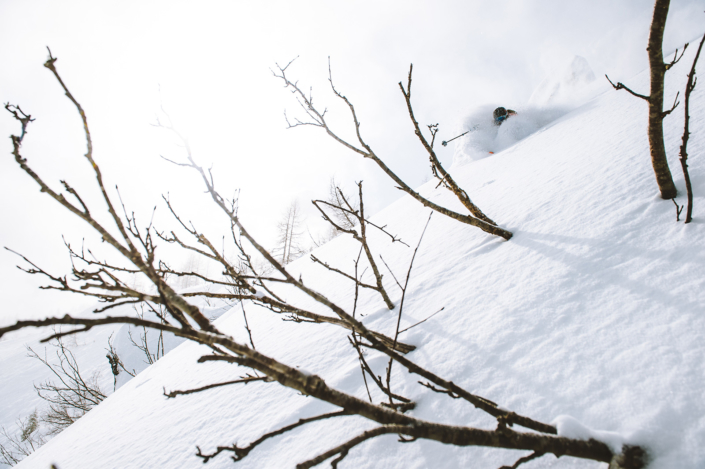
[(570, 427)]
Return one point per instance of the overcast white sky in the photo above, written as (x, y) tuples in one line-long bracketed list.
[(208, 63)]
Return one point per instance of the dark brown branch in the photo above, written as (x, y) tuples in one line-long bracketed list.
[(247, 325), (679, 209), (73, 192), (621, 86), (343, 449), (316, 387), (249, 379), (675, 105), (438, 390), (689, 87), (368, 251), (676, 58), (89, 156), (241, 453), (521, 461), (391, 272), (477, 401), (558, 446)]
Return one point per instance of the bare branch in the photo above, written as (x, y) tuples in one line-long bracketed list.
[(423, 320), (333, 269), (376, 379), (438, 390), (676, 58), (689, 87), (343, 449), (679, 209), (241, 453), (621, 86), (248, 379), (21, 116), (436, 166), (521, 461), (353, 213), (675, 105)]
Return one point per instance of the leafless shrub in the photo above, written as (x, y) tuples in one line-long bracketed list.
[(71, 395), (23, 443), (289, 233), (99, 279), (151, 356)]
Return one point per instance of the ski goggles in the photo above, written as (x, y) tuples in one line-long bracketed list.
[(501, 118)]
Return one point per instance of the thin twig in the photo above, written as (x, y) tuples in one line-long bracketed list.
[(401, 304), (249, 379), (241, 453), (423, 320), (689, 87)]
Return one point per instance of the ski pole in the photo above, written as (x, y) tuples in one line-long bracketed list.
[(445, 142)]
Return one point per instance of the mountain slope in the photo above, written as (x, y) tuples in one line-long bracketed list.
[(593, 309)]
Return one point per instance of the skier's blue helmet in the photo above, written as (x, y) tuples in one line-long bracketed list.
[(499, 114)]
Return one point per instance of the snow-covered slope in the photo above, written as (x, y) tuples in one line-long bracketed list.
[(594, 309)]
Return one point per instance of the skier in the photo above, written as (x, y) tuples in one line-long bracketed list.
[(501, 114)]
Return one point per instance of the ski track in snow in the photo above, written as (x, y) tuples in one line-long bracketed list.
[(591, 312)]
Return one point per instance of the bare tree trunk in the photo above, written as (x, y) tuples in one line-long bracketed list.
[(655, 130), (658, 70)]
